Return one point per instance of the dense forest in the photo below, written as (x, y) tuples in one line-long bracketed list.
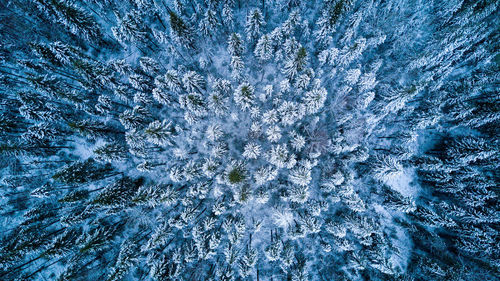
[(294, 140)]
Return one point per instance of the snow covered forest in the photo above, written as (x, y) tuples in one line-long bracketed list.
[(282, 140)]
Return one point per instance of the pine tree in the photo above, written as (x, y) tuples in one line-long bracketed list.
[(111, 152), (235, 45), (247, 262), (235, 173), (291, 112), (300, 176), (237, 66), (227, 16), (117, 194), (195, 105), (352, 76), (149, 65), (208, 25), (71, 16), (298, 141), (170, 81), (159, 133), (263, 50), (299, 193), (62, 243), (126, 258), (163, 96), (82, 172), (155, 195), (251, 151), (294, 19), (329, 18), (244, 96), (131, 28), (265, 174), (273, 133), (192, 81), (95, 239), (135, 118), (365, 99), (387, 167), (280, 157), (295, 63), (314, 100), (254, 24), (181, 31), (273, 251), (93, 129)]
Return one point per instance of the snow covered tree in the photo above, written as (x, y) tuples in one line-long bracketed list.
[(244, 96), (227, 16), (170, 81), (159, 133), (208, 25), (84, 171), (247, 262), (149, 65), (273, 133), (254, 24), (290, 112), (135, 118), (280, 157), (237, 66), (76, 19), (116, 194), (126, 258), (181, 31), (314, 100), (131, 28), (265, 174), (264, 49), (235, 45), (235, 173), (252, 151), (295, 63), (300, 176), (192, 81), (214, 132), (111, 152)]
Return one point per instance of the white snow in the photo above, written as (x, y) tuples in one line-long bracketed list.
[(403, 183)]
